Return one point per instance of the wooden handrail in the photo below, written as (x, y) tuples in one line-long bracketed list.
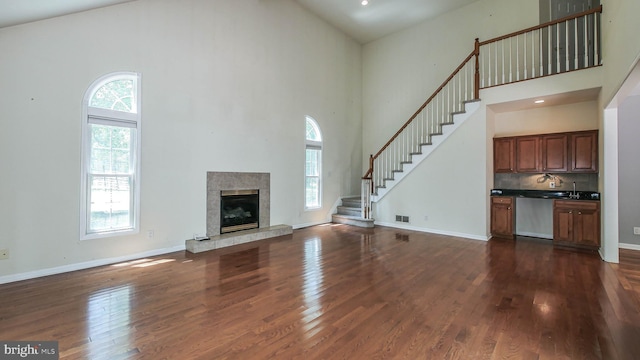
[(541, 26), (425, 104)]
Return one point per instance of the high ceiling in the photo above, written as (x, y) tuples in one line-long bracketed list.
[(363, 23), (14, 12), (379, 17)]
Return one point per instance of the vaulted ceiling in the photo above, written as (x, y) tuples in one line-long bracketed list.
[(363, 23)]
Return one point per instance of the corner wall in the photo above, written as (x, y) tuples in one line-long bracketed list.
[(629, 171)]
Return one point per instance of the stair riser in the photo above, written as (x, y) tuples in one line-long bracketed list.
[(351, 203), (342, 210)]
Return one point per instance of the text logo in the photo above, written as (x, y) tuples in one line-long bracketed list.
[(34, 350)]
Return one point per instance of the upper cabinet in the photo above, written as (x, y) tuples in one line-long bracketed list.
[(528, 154), (504, 152), (554, 153), (584, 151)]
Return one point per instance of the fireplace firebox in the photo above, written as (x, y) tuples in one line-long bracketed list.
[(239, 210)]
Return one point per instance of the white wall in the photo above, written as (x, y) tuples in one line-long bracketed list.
[(620, 45), (629, 170), (548, 119), (226, 86)]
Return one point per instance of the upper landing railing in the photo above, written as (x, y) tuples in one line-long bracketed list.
[(567, 44)]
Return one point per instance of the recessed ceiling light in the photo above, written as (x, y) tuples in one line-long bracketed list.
[(539, 101), (364, 2)]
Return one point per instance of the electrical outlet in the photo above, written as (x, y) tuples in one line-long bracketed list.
[(552, 184), (4, 254), (150, 234), (636, 230)]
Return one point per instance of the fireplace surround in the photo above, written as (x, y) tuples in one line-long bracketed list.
[(239, 183), (236, 182)]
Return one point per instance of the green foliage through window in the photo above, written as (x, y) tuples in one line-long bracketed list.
[(115, 95)]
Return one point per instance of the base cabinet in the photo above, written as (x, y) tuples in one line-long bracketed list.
[(502, 216), (576, 223)]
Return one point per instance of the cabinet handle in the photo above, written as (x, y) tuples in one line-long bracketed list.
[(570, 212), (509, 208), (579, 212)]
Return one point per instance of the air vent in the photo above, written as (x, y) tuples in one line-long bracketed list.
[(402, 218)]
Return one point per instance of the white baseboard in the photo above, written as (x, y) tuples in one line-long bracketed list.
[(629, 246), (301, 226), (433, 231), (86, 265)]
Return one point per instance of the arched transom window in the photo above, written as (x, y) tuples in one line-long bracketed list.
[(313, 165), (111, 157)]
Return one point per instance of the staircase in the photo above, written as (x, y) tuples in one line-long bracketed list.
[(519, 56), (350, 213)]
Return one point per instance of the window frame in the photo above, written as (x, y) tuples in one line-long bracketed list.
[(313, 145), (116, 118)]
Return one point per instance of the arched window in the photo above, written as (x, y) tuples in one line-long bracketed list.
[(110, 195), (313, 165)]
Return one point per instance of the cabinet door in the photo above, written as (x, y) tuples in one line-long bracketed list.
[(576, 223), (502, 215), (528, 154), (554, 153), (587, 228), (562, 225), (503, 155), (584, 151)]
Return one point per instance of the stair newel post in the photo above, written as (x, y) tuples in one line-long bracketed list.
[(476, 80), (371, 169)]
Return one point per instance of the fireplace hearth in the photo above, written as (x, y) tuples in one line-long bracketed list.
[(239, 210)]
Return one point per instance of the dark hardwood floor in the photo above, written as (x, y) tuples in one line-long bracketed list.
[(340, 292)]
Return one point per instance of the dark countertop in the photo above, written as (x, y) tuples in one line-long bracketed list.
[(546, 194)]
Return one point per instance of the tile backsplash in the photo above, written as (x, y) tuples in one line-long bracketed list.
[(584, 182)]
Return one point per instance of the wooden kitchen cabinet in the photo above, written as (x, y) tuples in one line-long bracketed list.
[(584, 151), (554, 152), (576, 223), (502, 216), (504, 153), (528, 154), (572, 152)]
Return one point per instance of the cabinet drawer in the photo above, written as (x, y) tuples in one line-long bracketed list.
[(507, 200), (576, 204)]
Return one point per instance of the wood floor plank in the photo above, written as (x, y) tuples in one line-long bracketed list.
[(335, 291)]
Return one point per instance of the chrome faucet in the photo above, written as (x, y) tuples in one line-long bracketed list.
[(574, 194)]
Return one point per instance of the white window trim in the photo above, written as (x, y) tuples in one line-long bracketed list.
[(312, 144), (105, 116)]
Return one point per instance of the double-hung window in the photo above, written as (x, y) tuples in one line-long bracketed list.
[(110, 195), (313, 165)]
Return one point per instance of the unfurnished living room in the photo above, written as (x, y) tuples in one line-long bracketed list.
[(339, 179)]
